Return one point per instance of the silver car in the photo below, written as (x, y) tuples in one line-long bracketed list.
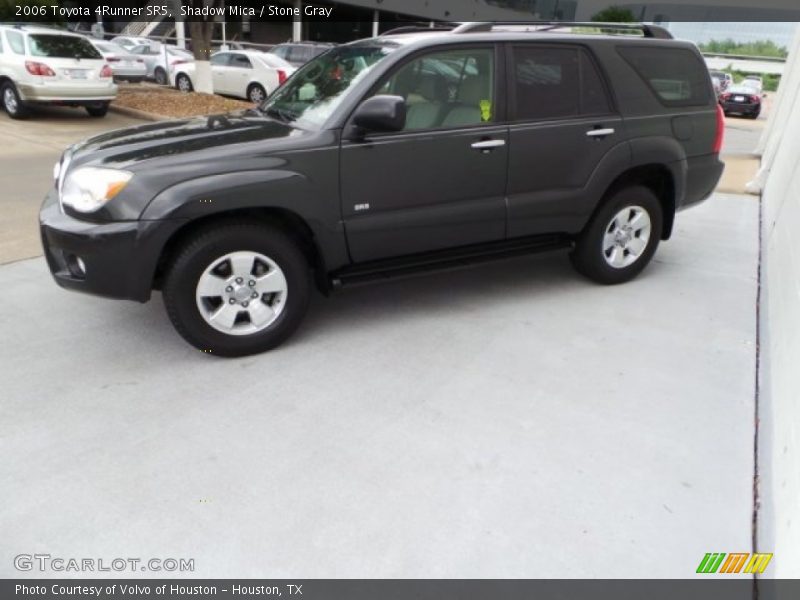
[(124, 65), (159, 59)]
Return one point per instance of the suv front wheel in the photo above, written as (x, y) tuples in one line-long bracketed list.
[(621, 238), (237, 289)]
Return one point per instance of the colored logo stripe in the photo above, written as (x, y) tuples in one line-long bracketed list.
[(758, 563), (713, 562)]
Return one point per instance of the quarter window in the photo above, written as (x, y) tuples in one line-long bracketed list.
[(675, 75), (454, 88), (16, 41)]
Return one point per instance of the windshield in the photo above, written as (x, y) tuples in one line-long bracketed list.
[(313, 93), (61, 46)]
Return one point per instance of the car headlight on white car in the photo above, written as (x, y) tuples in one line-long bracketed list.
[(88, 188)]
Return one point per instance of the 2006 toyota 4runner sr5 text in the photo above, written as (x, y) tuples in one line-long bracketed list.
[(413, 150)]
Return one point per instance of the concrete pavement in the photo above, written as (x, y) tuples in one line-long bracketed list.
[(29, 150), (507, 420)]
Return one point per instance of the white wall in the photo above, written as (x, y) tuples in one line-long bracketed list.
[(779, 452)]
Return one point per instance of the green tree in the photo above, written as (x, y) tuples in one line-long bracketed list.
[(764, 48), (615, 14)]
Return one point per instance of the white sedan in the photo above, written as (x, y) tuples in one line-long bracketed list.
[(124, 65), (246, 74)]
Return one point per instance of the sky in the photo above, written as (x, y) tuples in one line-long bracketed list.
[(780, 33)]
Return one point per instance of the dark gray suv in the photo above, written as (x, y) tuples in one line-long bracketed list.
[(404, 152)]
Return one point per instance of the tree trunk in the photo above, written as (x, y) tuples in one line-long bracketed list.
[(201, 32)]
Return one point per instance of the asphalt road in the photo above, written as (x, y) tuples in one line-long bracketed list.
[(507, 420)]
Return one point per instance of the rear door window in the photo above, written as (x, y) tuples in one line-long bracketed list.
[(556, 83), (62, 46), (675, 75), (241, 61)]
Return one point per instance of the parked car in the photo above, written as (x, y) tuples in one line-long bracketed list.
[(724, 79), (245, 74), (756, 84), (299, 53), (124, 65), (385, 156), (40, 65), (160, 58), (130, 42), (741, 100)]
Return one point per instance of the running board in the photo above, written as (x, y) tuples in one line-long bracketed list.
[(445, 259)]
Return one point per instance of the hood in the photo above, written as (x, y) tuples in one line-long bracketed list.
[(215, 139)]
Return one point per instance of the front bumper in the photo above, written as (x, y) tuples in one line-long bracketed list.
[(117, 259), (58, 92)]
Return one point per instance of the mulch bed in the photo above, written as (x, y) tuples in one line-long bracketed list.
[(168, 102)]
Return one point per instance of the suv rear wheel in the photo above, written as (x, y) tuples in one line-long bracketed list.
[(98, 109), (621, 238), (237, 289), (12, 103)]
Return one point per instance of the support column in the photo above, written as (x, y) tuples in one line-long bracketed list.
[(376, 21), (180, 33), (297, 21)]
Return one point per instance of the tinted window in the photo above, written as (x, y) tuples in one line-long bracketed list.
[(16, 42), (61, 46), (241, 61), (594, 99), (454, 88), (675, 75), (546, 82)]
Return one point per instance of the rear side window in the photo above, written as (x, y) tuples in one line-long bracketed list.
[(675, 75), (241, 61), (61, 46), (553, 83), (16, 41)]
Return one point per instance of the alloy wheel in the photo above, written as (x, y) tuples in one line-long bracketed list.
[(10, 101), (626, 236), (241, 293)]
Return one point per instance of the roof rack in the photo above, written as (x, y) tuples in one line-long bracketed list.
[(416, 29), (648, 31)]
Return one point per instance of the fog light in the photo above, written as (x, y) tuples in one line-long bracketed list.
[(76, 266)]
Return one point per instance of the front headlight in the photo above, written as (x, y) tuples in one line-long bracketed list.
[(87, 189)]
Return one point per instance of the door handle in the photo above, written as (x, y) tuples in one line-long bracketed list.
[(488, 144), (600, 132)]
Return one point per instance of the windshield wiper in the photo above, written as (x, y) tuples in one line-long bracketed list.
[(282, 114)]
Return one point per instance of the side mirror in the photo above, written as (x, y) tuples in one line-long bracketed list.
[(381, 113)]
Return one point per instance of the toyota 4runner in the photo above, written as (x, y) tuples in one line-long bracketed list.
[(413, 150)]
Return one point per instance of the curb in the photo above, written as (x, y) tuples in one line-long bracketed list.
[(139, 114)]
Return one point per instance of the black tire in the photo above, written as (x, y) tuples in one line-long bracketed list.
[(97, 110), (255, 89), (160, 75), (13, 104), (589, 256), (211, 244), (755, 115), (183, 80)]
